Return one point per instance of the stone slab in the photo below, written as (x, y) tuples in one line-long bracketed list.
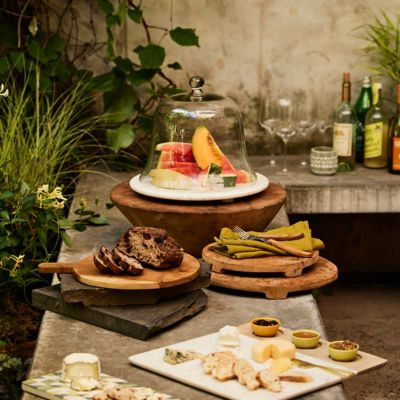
[(138, 321), (73, 291), (363, 190)]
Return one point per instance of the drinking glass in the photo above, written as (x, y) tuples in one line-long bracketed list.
[(267, 120), (304, 124), (285, 127)]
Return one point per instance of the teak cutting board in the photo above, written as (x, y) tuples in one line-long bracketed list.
[(290, 266), (86, 272), (319, 274)]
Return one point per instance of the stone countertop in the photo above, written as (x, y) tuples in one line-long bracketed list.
[(61, 335), (363, 190)]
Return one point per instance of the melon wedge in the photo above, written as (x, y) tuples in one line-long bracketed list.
[(204, 148), (243, 176), (169, 179)]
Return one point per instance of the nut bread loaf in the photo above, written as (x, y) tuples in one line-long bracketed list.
[(151, 246)]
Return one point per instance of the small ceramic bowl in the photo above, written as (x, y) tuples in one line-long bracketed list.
[(265, 326), (305, 338), (343, 350)]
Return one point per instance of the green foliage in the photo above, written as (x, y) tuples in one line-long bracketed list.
[(12, 373), (144, 75), (44, 139), (32, 225), (383, 48)]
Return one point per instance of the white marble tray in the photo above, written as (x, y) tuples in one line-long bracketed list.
[(148, 189), (191, 373)]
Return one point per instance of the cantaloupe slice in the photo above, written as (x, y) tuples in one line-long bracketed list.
[(204, 148)]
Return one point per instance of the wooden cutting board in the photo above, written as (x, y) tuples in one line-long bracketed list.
[(316, 276), (288, 265), (86, 272)]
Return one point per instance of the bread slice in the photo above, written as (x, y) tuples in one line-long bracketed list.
[(295, 377), (269, 380), (224, 370), (240, 368), (251, 381)]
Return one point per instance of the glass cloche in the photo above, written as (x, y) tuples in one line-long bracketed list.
[(197, 147)]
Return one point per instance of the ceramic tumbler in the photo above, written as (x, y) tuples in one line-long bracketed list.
[(323, 160)]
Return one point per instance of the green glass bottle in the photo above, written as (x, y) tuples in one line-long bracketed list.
[(344, 129), (361, 107), (376, 132)]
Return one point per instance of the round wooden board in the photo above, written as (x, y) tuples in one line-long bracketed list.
[(289, 265), (318, 275), (86, 272)]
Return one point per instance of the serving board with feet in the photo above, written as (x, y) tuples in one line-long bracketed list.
[(321, 273), (85, 272), (289, 266)]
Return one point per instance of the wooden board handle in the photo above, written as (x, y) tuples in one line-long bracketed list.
[(56, 267)]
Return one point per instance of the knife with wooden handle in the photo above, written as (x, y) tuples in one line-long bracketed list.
[(56, 267), (289, 249), (284, 236)]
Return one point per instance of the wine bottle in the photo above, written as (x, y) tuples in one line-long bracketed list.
[(394, 158), (376, 130), (344, 129), (361, 107)]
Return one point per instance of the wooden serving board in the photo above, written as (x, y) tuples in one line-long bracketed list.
[(85, 271), (363, 362), (289, 265), (317, 275)]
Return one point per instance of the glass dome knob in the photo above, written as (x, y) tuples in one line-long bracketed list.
[(196, 83)]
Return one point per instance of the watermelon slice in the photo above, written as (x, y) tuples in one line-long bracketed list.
[(243, 176), (175, 151)]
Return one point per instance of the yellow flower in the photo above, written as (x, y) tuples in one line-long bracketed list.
[(55, 199), (17, 262)]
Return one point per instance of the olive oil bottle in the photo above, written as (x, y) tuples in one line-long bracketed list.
[(376, 132), (394, 157), (344, 129)]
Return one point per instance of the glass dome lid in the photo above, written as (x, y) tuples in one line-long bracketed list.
[(198, 145)]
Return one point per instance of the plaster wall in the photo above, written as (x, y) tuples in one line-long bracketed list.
[(248, 47)]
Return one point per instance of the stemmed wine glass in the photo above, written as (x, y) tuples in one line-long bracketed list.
[(267, 120), (285, 127), (304, 124)]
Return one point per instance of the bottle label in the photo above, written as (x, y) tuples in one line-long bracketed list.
[(373, 140), (396, 154), (342, 139)]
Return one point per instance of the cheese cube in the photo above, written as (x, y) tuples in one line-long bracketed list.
[(80, 365), (276, 348)]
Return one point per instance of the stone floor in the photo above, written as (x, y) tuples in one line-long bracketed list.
[(369, 315)]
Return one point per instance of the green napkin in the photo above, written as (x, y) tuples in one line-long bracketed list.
[(230, 244)]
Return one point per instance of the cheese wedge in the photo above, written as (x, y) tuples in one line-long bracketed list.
[(280, 365), (277, 348)]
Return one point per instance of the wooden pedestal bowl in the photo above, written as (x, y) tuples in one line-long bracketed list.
[(194, 224)]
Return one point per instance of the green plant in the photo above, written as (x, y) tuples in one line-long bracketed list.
[(134, 85), (43, 139), (32, 225), (45, 38), (12, 372), (383, 48)]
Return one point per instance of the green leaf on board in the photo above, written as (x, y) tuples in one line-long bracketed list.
[(151, 56), (99, 221), (121, 137), (184, 36)]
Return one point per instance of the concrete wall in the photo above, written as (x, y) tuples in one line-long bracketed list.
[(248, 46)]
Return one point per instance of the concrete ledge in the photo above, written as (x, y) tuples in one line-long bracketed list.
[(361, 191)]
